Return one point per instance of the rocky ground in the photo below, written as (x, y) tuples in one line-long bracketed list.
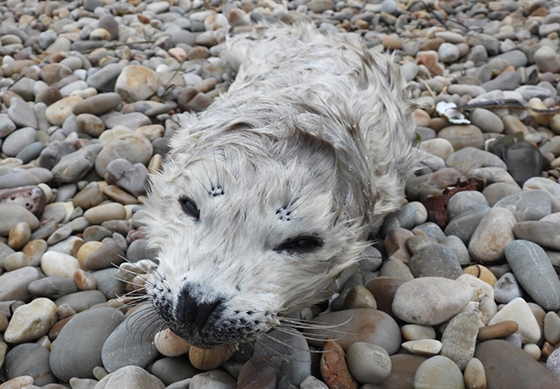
[(461, 290)]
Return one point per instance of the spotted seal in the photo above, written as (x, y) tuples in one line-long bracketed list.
[(268, 195)]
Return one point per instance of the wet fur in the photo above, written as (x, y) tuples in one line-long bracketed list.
[(314, 138)]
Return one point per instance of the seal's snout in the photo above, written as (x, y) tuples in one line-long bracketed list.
[(197, 309)]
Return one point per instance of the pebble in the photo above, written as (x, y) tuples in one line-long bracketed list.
[(31, 321), (459, 338), (430, 300), (130, 377), (334, 368), (77, 349), (507, 366), (494, 231), (368, 362), (29, 360), (438, 372), (535, 273), (507, 288)]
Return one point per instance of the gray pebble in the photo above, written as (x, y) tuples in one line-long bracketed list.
[(18, 140), (29, 359), (435, 260), (535, 273), (507, 289), (22, 114), (77, 349), (52, 287), (546, 234), (131, 343), (527, 205), (464, 201), (73, 167), (82, 301)]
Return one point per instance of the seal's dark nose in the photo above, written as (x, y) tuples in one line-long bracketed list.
[(194, 307)]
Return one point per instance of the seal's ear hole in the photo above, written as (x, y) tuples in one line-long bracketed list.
[(189, 207), (300, 245)]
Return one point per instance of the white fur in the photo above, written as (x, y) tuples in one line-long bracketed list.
[(316, 126)]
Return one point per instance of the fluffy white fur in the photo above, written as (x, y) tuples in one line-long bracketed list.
[(314, 138)]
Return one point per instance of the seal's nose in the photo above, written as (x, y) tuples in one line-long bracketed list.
[(194, 307)]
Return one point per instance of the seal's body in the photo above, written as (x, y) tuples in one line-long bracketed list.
[(271, 193)]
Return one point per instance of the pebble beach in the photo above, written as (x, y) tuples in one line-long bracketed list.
[(460, 289)]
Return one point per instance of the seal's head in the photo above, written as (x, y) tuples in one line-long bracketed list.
[(249, 226)]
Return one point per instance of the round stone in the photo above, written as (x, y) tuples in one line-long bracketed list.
[(131, 147), (494, 231), (58, 112), (519, 311), (438, 372), (136, 83), (368, 362), (430, 300), (29, 360), (18, 140), (459, 338), (105, 212), (31, 321)]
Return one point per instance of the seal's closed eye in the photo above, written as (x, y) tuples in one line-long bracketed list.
[(300, 245), (189, 207)]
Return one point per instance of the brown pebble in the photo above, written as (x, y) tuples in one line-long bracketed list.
[(84, 280), (57, 327), (170, 344), (115, 193), (334, 369), (210, 359), (498, 330)]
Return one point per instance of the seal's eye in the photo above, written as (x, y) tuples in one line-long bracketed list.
[(300, 244), (189, 207)]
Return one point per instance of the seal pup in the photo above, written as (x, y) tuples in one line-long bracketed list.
[(268, 195)]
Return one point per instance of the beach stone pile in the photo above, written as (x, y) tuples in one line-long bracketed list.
[(461, 289)]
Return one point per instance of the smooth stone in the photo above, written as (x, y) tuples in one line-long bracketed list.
[(7, 126), (438, 372), (368, 362), (430, 300), (130, 377), (105, 212), (131, 147), (98, 104), (22, 114), (83, 300), (474, 375), (90, 124), (131, 343), (417, 332), (518, 310), (136, 83), (170, 370), (508, 366), (552, 327), (31, 321), (471, 158), (425, 347), (358, 325), (169, 344), (547, 60), (12, 215), (459, 338), (461, 136), (52, 287), (535, 273), (31, 360), (19, 235), (75, 166), (504, 82), (89, 196), (18, 140), (77, 349), (30, 152), (13, 284), (59, 264), (546, 234), (384, 288), (499, 330), (108, 283), (459, 248), (507, 289), (58, 112), (551, 187), (439, 147), (491, 236), (435, 260), (527, 205)]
